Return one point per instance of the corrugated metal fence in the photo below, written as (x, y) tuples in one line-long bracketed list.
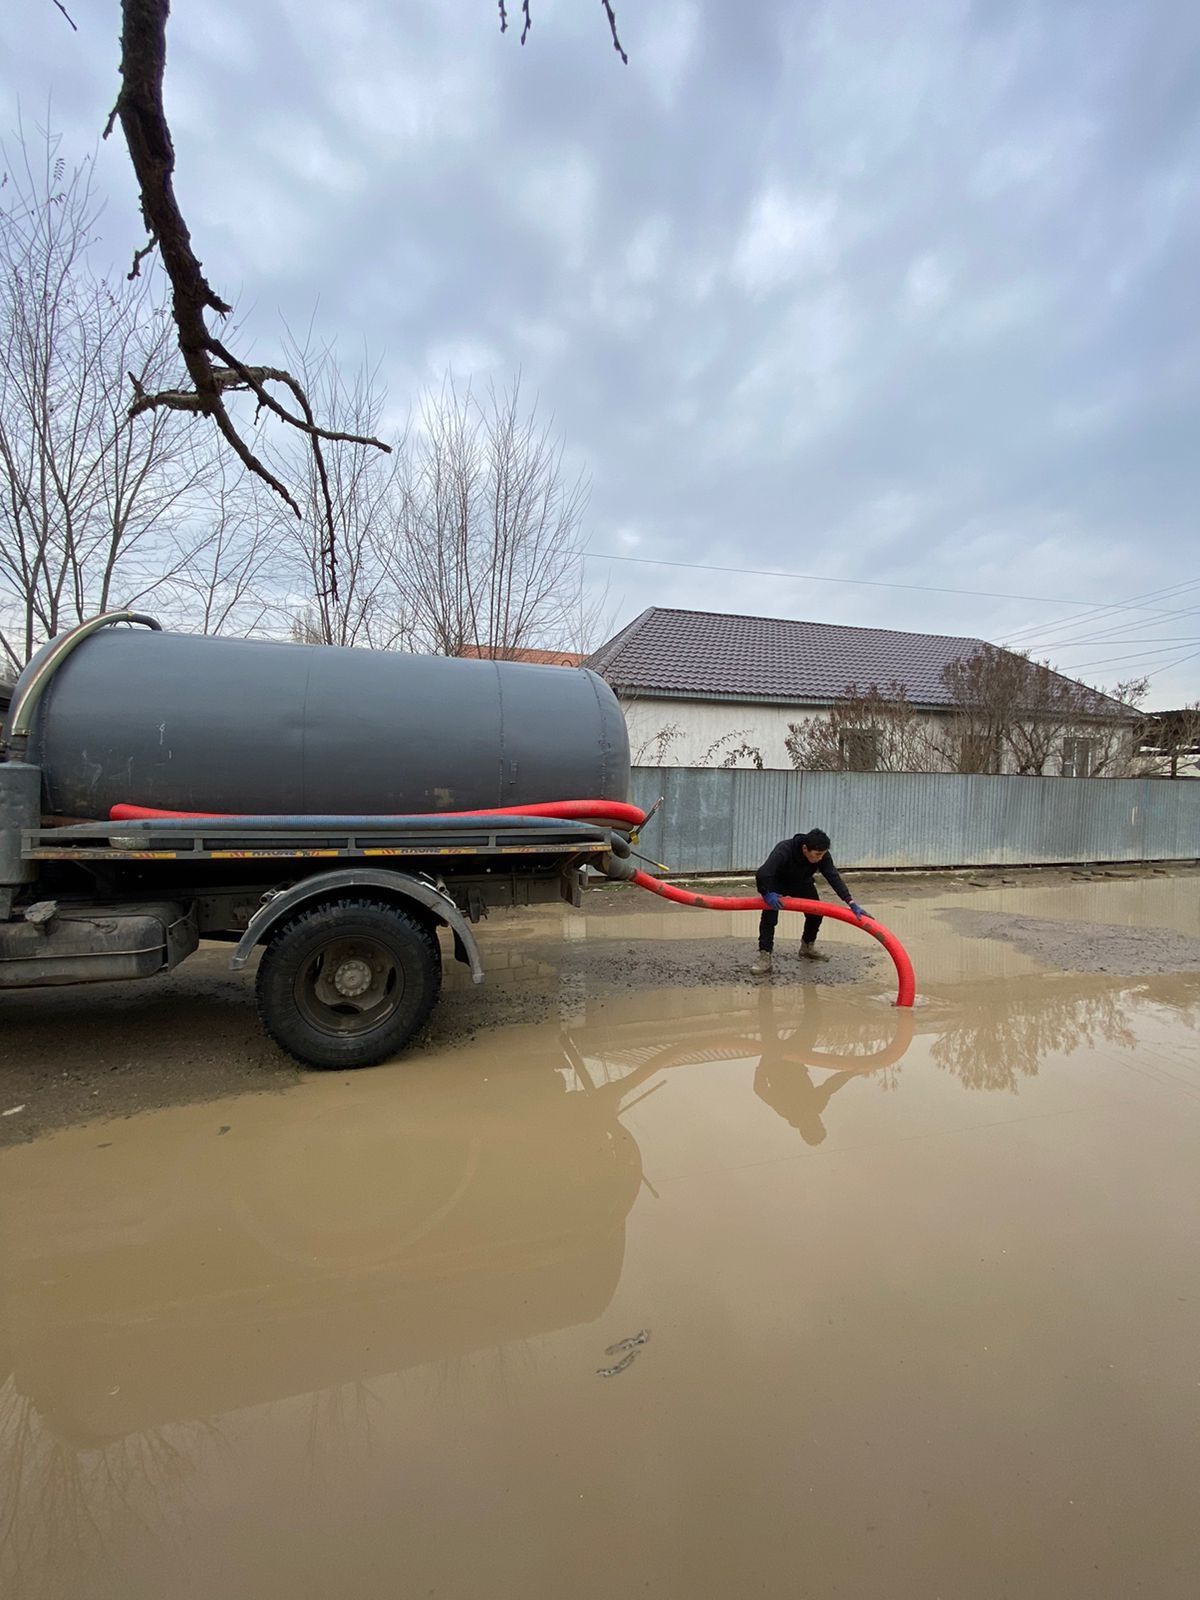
[(727, 821)]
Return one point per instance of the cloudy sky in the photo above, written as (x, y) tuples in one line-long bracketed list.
[(899, 294)]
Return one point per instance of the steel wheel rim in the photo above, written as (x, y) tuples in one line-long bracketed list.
[(350, 985)]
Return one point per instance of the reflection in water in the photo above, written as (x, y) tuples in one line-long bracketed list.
[(396, 1220), (783, 1079), (998, 1040)]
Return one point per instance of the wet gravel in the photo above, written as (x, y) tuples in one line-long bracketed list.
[(1084, 946)]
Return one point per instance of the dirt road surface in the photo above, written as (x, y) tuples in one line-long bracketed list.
[(636, 1275)]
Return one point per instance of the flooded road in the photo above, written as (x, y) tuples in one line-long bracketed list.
[(663, 1282)]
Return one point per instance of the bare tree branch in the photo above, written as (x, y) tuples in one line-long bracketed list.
[(612, 28), (143, 120), (139, 256), (213, 370), (527, 24), (67, 14)]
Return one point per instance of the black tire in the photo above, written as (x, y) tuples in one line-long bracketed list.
[(348, 983)]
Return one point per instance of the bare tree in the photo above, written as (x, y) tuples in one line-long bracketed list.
[(731, 754), (1013, 713), (1170, 740), (366, 492), (867, 730), (89, 504), (491, 549), (1113, 741), (1005, 706), (224, 568), (652, 751)]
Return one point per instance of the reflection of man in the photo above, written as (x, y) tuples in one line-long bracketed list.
[(787, 1087), (782, 1079)]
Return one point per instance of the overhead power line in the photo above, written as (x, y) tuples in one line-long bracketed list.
[(1040, 629), (1140, 655), (872, 583), (1110, 628)]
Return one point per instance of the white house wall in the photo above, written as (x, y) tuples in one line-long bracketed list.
[(699, 725), (703, 733)]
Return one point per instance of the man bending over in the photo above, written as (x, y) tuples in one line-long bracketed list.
[(790, 871)]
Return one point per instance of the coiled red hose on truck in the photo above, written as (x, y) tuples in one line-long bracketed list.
[(621, 815), (618, 813)]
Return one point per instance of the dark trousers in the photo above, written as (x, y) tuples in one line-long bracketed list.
[(769, 921)]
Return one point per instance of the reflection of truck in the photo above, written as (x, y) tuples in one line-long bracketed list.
[(357, 804), (345, 1239)]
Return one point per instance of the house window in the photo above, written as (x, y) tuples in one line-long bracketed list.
[(859, 749), (1077, 758)]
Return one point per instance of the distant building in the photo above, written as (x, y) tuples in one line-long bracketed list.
[(1170, 743), (537, 658), (702, 688)]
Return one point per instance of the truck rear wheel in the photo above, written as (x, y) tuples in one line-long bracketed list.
[(348, 983)]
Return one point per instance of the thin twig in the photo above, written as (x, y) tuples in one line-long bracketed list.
[(612, 28), (138, 257), (503, 17), (66, 13), (528, 20)]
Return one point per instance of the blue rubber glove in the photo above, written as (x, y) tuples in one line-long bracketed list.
[(773, 901), (858, 910)]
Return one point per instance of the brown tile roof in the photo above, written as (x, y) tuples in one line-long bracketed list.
[(711, 655), (539, 658)]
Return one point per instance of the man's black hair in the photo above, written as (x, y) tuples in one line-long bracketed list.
[(816, 839)]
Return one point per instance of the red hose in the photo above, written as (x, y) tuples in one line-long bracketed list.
[(617, 812), (906, 980)]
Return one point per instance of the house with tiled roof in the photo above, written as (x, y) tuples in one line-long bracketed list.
[(702, 688), (527, 653)]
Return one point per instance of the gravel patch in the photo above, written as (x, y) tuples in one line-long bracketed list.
[(1084, 946)]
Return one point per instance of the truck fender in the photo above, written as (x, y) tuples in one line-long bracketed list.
[(396, 885)]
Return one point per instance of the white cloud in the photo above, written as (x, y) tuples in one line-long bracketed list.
[(997, 310), (1045, 157), (666, 46), (397, 104), (557, 195), (466, 358), (800, 381), (787, 236), (645, 251), (303, 151), (927, 283)]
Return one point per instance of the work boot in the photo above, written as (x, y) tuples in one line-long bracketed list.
[(811, 953), (762, 964)]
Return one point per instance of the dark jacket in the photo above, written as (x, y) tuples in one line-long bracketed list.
[(786, 871)]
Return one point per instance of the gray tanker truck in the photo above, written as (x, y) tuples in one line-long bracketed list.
[(340, 808)]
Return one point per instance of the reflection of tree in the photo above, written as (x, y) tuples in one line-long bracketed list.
[(60, 1504), (1000, 1040), (335, 1415)]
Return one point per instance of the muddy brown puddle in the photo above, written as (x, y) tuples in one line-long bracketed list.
[(678, 1289)]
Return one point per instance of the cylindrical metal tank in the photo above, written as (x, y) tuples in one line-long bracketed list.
[(188, 723)]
